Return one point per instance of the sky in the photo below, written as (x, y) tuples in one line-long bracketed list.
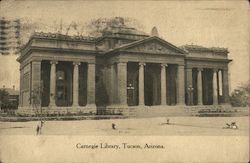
[(206, 23)]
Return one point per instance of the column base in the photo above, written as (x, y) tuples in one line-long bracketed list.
[(91, 108), (75, 106), (52, 106), (180, 105)]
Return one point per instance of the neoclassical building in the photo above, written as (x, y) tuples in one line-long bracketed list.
[(122, 70)]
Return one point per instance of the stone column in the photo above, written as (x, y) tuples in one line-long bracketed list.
[(199, 86), (52, 101), (122, 83), (141, 83), (189, 85), (163, 84), (220, 82), (91, 85), (215, 88), (76, 84), (225, 89), (181, 86)]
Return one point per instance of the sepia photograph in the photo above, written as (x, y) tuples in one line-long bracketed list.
[(124, 81)]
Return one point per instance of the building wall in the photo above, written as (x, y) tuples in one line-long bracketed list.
[(26, 85)]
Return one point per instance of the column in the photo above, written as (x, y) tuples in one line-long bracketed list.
[(91, 85), (122, 83), (215, 88), (52, 101), (76, 84), (141, 83), (220, 82), (225, 89), (189, 85), (181, 87), (199, 86), (163, 84)]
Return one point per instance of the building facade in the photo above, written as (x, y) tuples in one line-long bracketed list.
[(124, 69), (9, 36)]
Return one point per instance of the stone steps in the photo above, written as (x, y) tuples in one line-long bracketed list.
[(157, 112), (211, 110)]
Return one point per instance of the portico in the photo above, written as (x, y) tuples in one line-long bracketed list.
[(118, 71)]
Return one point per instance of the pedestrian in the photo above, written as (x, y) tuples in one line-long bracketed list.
[(113, 126), (42, 123), (168, 121), (37, 130)]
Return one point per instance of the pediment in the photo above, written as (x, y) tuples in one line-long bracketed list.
[(153, 45)]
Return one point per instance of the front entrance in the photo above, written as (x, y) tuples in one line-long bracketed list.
[(64, 80), (132, 84), (152, 87)]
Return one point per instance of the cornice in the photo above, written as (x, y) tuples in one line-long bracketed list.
[(152, 53), (196, 48), (30, 49), (207, 59), (58, 36)]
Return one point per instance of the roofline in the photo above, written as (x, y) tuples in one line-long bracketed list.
[(49, 49), (113, 36), (146, 39), (209, 59), (205, 49)]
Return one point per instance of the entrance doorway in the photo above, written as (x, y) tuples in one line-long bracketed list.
[(152, 85), (132, 83), (64, 71)]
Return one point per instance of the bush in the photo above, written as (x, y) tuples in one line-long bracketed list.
[(241, 96)]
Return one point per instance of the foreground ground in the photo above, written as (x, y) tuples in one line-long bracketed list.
[(192, 126)]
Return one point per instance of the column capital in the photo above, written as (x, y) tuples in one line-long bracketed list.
[(215, 69), (76, 63), (53, 62), (91, 63), (122, 63), (36, 61), (142, 64), (200, 69), (163, 65), (189, 68)]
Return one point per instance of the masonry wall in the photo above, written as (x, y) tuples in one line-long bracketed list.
[(25, 91)]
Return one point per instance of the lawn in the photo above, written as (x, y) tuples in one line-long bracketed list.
[(179, 126)]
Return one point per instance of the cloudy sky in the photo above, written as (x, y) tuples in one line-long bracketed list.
[(206, 23)]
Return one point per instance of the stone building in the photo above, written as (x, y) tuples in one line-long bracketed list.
[(122, 70), (9, 36)]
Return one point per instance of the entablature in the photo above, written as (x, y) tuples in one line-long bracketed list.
[(207, 63)]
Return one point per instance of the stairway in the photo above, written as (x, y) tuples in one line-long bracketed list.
[(211, 110), (157, 111)]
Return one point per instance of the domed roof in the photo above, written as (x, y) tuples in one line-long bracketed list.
[(119, 27)]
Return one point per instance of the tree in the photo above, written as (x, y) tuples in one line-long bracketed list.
[(95, 27), (36, 98), (4, 100), (241, 96)]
